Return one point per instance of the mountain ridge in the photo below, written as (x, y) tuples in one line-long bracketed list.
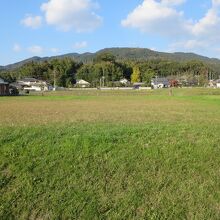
[(121, 53)]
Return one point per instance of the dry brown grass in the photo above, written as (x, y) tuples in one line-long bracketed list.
[(105, 107)]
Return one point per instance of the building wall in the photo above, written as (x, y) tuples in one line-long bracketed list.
[(4, 89)]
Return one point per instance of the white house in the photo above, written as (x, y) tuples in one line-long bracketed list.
[(82, 83), (32, 84), (33, 88), (27, 81), (159, 83), (212, 83), (124, 81), (218, 83)]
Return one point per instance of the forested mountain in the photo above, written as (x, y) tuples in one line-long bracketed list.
[(135, 54), (145, 54), (114, 64)]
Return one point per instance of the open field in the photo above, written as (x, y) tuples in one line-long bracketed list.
[(111, 155)]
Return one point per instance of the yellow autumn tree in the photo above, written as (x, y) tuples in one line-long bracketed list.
[(136, 75)]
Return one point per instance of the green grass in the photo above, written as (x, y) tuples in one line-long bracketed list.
[(139, 157)]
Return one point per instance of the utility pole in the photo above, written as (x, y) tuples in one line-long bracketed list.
[(103, 76), (103, 81)]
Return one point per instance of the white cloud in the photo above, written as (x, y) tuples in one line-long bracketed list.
[(208, 26), (32, 21), (164, 18), (215, 3), (157, 18), (75, 15), (205, 33), (36, 50), (17, 48), (173, 2), (80, 45), (189, 45)]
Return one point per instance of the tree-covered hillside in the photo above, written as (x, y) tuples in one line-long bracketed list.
[(108, 66)]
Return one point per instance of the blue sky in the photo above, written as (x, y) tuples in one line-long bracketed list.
[(50, 27)]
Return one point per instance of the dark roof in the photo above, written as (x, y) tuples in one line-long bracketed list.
[(138, 84), (160, 80)]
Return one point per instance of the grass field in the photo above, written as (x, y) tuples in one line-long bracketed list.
[(111, 155)]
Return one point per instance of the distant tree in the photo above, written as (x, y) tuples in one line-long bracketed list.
[(64, 71), (85, 72), (127, 67), (8, 76), (147, 76), (136, 75), (105, 57)]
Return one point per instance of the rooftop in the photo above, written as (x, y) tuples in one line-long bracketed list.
[(160, 80), (28, 79)]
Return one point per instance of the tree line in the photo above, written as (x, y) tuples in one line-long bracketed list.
[(65, 72)]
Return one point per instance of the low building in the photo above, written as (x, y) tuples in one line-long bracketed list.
[(27, 81), (34, 88), (218, 83), (121, 83), (32, 84), (175, 83), (82, 83), (159, 83), (124, 82), (212, 84), (17, 86), (4, 88), (138, 85)]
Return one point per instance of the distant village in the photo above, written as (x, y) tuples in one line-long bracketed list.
[(29, 84)]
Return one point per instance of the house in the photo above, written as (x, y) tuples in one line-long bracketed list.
[(121, 83), (159, 83), (138, 85), (212, 83), (34, 88), (4, 88), (175, 83), (124, 82), (32, 84), (27, 81), (218, 83), (16, 85), (82, 83)]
